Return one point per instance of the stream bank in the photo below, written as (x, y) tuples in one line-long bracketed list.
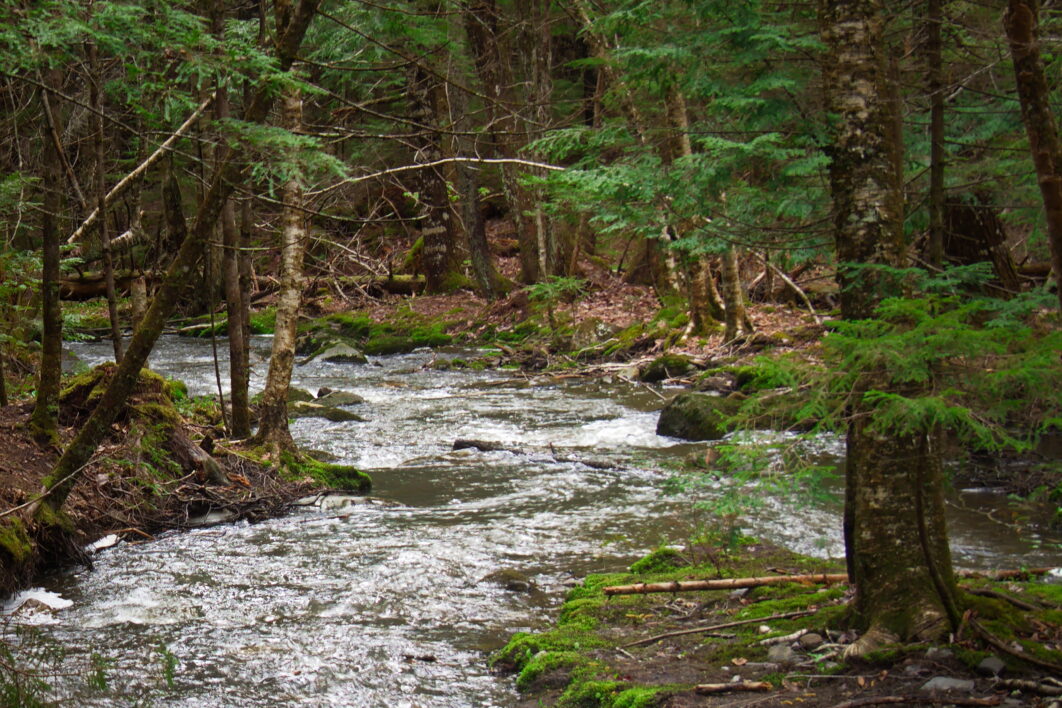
[(777, 645)]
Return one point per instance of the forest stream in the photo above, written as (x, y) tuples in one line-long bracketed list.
[(388, 600)]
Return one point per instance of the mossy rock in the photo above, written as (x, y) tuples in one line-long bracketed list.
[(310, 409), (338, 398), (341, 353), (345, 477), (696, 416), (666, 366), (660, 560), (298, 395), (389, 344)]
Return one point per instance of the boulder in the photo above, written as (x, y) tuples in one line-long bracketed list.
[(339, 398), (696, 416), (341, 353), (667, 366), (591, 332), (306, 409), (296, 395)]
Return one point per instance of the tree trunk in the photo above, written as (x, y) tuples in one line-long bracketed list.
[(65, 474), (43, 423), (935, 84), (481, 19), (236, 301), (737, 319), (1021, 22), (895, 536), (96, 98), (435, 225), (273, 413)]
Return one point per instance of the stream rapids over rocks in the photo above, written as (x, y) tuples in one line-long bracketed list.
[(394, 600)]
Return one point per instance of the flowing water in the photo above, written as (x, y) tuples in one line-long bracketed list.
[(387, 602)]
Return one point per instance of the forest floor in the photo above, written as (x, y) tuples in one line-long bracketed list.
[(778, 645)]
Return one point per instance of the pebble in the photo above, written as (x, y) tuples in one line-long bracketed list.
[(764, 629), (913, 669), (991, 666), (948, 683), (939, 654), (781, 654), (811, 641)]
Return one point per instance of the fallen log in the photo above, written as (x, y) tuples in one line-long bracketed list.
[(723, 584), (817, 578), (705, 689)]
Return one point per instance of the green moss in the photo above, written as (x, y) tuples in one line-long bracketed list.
[(591, 694), (344, 477), (640, 697), (545, 662), (46, 515), (387, 344), (264, 321), (15, 540), (661, 559)]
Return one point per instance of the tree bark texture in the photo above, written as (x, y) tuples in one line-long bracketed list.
[(895, 536), (482, 25), (236, 304), (96, 98), (935, 84), (436, 229), (1021, 22), (64, 476), (273, 412), (44, 419)]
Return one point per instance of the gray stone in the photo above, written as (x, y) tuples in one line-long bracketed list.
[(696, 416), (511, 580), (339, 398), (939, 654), (781, 654), (591, 332), (305, 409), (991, 666), (948, 683), (914, 669), (342, 354), (811, 641)]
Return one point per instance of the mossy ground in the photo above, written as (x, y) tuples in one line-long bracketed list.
[(587, 658)]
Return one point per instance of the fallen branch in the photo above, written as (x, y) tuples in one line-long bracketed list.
[(1003, 647), (140, 169), (1042, 689), (709, 688), (713, 627), (819, 578), (919, 699), (1020, 604), (793, 286), (724, 584), (785, 638)]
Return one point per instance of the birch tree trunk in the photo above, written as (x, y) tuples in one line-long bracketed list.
[(895, 535), (273, 413), (1021, 22)]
